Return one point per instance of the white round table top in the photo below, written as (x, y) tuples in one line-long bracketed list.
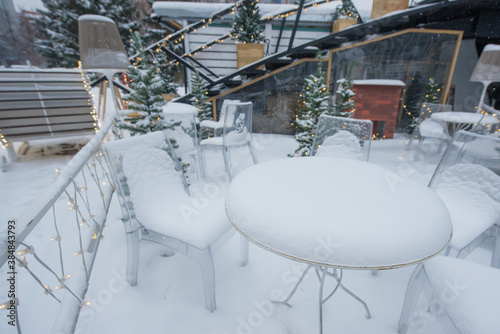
[(464, 117), (338, 212)]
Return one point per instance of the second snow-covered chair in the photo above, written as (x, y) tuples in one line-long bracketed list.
[(343, 137), (236, 132), (156, 206)]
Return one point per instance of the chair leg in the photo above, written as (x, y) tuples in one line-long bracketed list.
[(133, 253), (203, 162), (252, 152), (205, 260), (244, 250), (495, 257), (419, 148), (227, 162), (411, 298)]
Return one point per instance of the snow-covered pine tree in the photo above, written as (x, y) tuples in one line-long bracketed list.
[(347, 9), (344, 94), (166, 70), (59, 25), (153, 31), (431, 91), (126, 15), (199, 99), (246, 26), (431, 95), (315, 102), (146, 99)]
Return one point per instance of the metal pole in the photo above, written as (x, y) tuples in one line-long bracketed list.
[(297, 19)]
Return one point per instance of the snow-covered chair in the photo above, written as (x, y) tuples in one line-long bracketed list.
[(467, 180), (236, 132), (428, 128), (463, 296), (156, 206), (186, 137), (216, 126), (483, 127), (343, 137)]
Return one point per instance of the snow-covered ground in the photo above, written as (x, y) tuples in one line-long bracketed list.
[(169, 295)]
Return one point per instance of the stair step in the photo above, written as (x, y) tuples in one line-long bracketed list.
[(277, 63)]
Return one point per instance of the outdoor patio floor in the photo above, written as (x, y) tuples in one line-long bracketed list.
[(169, 295)]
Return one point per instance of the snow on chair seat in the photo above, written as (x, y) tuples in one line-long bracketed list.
[(156, 206), (464, 295), (39, 104)]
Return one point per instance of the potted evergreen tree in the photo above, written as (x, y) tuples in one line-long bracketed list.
[(345, 16), (248, 31)]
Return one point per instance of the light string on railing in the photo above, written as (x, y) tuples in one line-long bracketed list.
[(88, 88), (58, 239), (221, 39)]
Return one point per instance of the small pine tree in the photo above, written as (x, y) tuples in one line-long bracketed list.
[(199, 100), (166, 71), (246, 27), (431, 95), (347, 9), (146, 99), (431, 92), (315, 102), (345, 105)]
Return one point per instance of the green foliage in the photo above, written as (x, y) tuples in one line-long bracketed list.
[(431, 95), (199, 100), (345, 104), (59, 26), (125, 14), (347, 9), (315, 102), (246, 27), (146, 99), (431, 92), (166, 71)]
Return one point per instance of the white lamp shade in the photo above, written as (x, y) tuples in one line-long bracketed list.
[(488, 65), (101, 47)]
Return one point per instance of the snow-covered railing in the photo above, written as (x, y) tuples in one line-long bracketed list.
[(51, 249)]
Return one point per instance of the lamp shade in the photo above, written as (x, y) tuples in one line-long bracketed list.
[(488, 65), (101, 47)]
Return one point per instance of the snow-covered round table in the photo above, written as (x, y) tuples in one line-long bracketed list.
[(337, 213), (461, 120)]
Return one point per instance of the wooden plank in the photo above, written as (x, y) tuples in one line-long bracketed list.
[(28, 113), (45, 95), (27, 122), (20, 105)]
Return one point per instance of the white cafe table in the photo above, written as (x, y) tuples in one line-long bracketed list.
[(460, 120), (336, 214)]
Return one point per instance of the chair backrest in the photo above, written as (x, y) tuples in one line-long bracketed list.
[(343, 137), (429, 108), (114, 154), (185, 134), (223, 109), (471, 165), (485, 126), (237, 128)]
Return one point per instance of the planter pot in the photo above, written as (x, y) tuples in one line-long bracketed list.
[(247, 53), (382, 7), (169, 97), (342, 23)]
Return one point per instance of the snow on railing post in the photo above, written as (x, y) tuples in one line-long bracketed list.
[(77, 237)]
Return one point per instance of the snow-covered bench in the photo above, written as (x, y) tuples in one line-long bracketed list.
[(38, 104)]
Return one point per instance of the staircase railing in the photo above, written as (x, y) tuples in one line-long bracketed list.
[(73, 210)]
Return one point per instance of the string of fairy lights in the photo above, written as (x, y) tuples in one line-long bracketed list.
[(88, 88), (86, 216), (207, 22)]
